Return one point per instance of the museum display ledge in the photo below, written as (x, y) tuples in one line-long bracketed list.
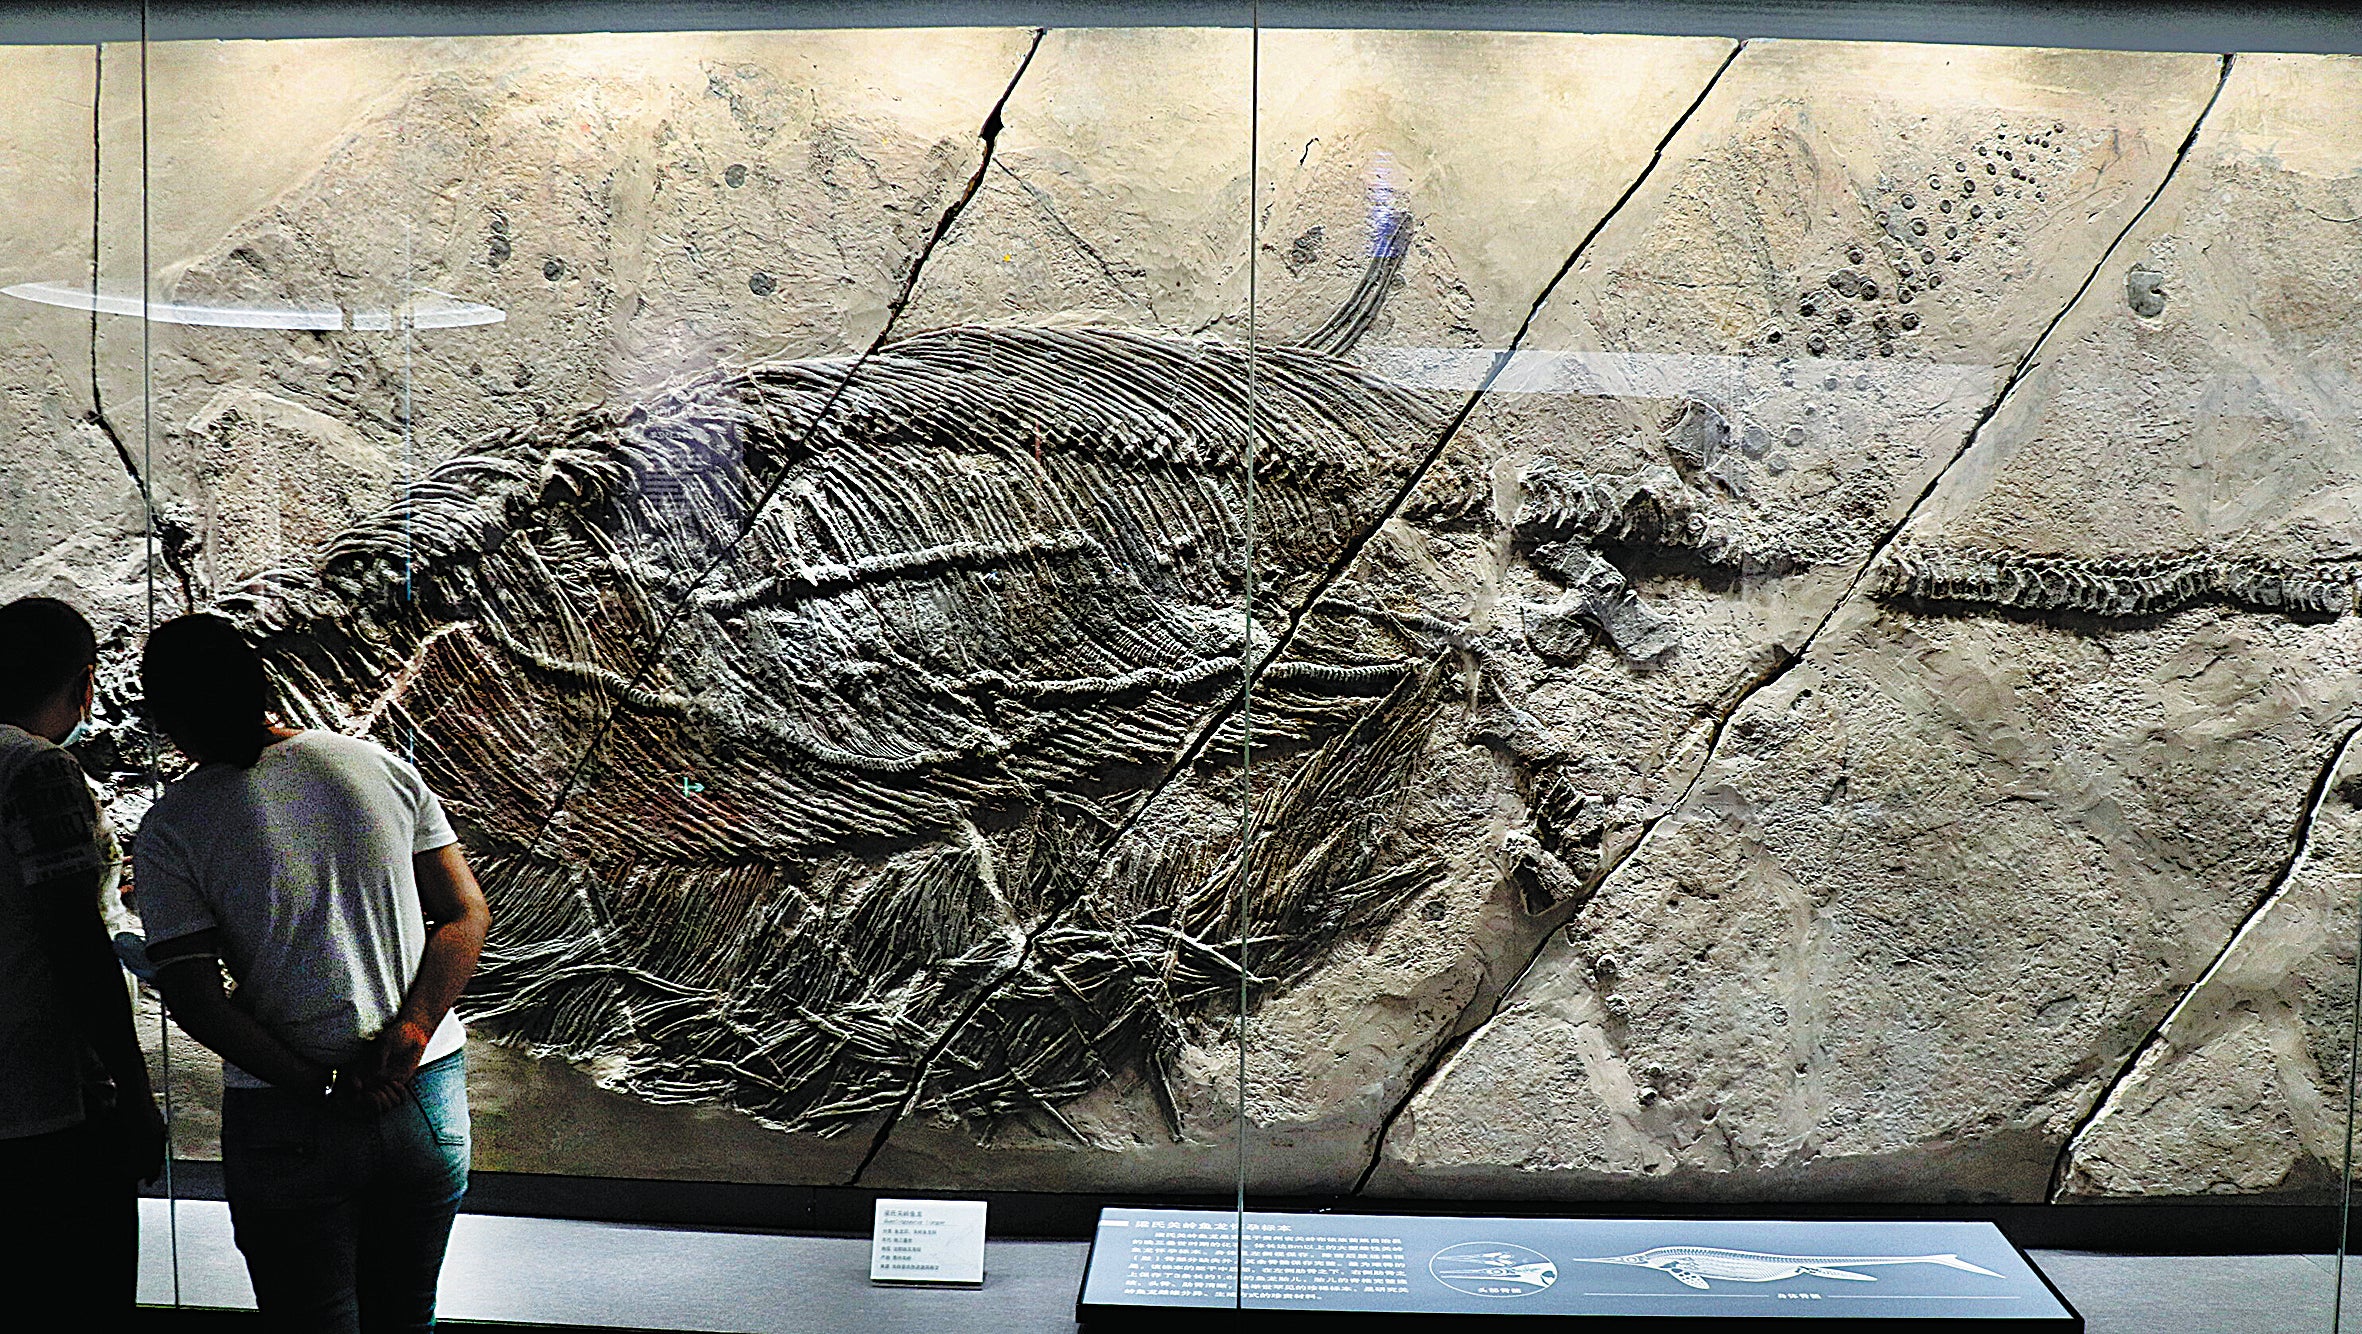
[(2320, 26), (550, 1275), (2151, 1227)]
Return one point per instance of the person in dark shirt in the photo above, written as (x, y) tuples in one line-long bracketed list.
[(78, 1122)]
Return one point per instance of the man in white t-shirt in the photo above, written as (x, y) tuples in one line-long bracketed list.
[(319, 872)]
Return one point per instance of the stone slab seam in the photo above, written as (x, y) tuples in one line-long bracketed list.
[(1788, 658), (2278, 889), (989, 134), (1217, 718)]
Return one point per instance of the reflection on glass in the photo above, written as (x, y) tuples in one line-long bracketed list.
[(430, 310)]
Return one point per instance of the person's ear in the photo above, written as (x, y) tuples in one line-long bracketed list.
[(90, 688)]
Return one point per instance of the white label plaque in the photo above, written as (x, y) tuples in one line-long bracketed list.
[(928, 1241)]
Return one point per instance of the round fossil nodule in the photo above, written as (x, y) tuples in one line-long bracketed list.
[(2144, 291)]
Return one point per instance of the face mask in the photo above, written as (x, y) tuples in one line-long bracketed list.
[(81, 728)]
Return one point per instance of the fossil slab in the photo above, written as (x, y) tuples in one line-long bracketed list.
[(1719, 524), (640, 208), (1728, 427), (2241, 1089), (1364, 219), (71, 510), (2132, 718)]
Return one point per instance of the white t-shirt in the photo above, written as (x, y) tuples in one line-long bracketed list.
[(303, 863)]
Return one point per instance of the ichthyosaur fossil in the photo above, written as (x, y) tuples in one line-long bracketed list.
[(1697, 1266), (799, 717)]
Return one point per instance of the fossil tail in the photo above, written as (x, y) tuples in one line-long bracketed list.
[(1864, 1261), (1360, 311)]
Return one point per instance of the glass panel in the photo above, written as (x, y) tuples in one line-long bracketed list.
[(1099, 276), (1493, 620), (278, 341), (785, 492), (72, 521), (1877, 542), (1397, 734)]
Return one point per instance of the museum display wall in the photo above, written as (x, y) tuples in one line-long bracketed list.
[(1432, 614)]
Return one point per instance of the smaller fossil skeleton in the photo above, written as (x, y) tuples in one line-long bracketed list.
[(1695, 1265)]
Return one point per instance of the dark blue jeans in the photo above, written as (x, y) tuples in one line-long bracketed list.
[(343, 1219), (71, 1226)]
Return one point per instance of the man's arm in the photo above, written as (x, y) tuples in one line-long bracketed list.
[(52, 822), (188, 970), (83, 961), (457, 920)]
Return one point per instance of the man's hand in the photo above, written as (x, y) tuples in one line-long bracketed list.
[(385, 1071), (457, 919), (136, 1135)]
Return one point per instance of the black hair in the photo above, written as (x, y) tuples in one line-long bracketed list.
[(204, 684), (44, 646)]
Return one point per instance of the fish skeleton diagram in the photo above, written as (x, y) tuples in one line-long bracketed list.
[(1696, 1266), (1493, 1269)]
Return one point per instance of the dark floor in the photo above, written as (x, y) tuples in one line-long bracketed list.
[(541, 1270)]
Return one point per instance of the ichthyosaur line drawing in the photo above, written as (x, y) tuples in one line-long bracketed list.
[(1696, 1266)]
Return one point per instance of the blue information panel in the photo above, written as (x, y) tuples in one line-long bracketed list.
[(1652, 1274)]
